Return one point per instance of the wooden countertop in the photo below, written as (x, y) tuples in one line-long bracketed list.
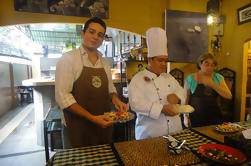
[(211, 132)]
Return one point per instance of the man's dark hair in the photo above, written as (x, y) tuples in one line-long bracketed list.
[(94, 20)]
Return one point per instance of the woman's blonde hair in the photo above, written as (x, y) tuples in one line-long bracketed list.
[(204, 57)]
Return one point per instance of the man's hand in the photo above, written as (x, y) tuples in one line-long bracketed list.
[(169, 110), (119, 105), (172, 99), (102, 121)]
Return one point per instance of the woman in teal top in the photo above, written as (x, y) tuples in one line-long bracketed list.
[(203, 89)]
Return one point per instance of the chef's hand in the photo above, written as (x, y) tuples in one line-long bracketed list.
[(169, 110), (102, 121), (172, 99), (119, 105)]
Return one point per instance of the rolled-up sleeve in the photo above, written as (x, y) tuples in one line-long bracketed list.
[(141, 104), (64, 79)]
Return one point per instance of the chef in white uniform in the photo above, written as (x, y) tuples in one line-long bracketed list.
[(152, 92)]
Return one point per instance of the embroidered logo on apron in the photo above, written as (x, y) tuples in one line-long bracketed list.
[(96, 81)]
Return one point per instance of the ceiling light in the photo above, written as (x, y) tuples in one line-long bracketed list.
[(210, 19)]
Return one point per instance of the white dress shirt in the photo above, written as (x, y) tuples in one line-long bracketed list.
[(147, 95), (68, 70)]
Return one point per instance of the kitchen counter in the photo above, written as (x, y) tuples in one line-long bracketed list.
[(38, 82), (44, 99)]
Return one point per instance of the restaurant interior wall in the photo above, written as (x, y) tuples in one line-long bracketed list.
[(138, 16), (5, 92), (232, 53), (9, 98)]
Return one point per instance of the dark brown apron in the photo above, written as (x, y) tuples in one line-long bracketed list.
[(207, 111), (91, 92)]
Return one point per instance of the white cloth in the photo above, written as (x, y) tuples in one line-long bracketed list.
[(147, 95), (68, 70), (156, 42), (247, 133)]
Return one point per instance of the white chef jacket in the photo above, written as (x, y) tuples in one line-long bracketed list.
[(68, 70), (147, 95)]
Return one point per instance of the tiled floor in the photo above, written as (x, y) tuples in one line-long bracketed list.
[(20, 147)]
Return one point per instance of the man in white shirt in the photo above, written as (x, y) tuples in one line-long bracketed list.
[(83, 89), (153, 92)]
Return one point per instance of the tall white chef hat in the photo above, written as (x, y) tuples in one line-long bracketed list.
[(156, 42)]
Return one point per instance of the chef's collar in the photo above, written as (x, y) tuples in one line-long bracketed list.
[(154, 76), (151, 74)]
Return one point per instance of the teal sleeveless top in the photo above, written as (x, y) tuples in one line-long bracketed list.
[(193, 83)]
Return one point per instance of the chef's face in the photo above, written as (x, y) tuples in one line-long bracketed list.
[(158, 64), (207, 66), (93, 36)]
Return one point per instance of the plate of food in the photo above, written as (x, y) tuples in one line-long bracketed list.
[(222, 154), (120, 117), (227, 128), (184, 108)]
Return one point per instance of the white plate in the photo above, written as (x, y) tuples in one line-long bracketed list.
[(184, 108), (234, 128)]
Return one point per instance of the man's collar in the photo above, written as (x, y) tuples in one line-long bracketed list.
[(83, 52)]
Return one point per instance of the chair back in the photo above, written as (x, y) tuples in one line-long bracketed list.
[(178, 75), (227, 106)]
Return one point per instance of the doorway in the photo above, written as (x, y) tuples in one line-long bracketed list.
[(247, 56)]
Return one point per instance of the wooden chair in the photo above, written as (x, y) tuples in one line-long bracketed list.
[(227, 106), (178, 75), (26, 94), (52, 128)]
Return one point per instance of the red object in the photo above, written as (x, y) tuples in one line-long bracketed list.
[(119, 113), (229, 151)]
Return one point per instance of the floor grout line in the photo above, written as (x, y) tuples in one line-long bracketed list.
[(21, 153), (13, 123)]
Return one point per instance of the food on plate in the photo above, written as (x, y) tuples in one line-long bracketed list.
[(117, 116), (227, 127), (221, 156)]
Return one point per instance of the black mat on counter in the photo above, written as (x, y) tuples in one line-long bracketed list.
[(91, 155), (193, 139)]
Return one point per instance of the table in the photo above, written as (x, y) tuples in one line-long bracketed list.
[(151, 151), (210, 131), (91, 155)]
